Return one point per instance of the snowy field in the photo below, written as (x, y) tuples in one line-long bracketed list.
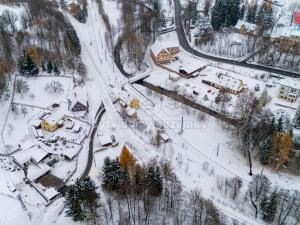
[(38, 96), (17, 127)]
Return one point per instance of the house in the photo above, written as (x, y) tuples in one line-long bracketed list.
[(105, 140), (289, 89), (33, 155), (245, 28), (159, 54), (54, 120), (131, 113), (224, 82), (69, 154), (78, 100), (162, 52), (134, 103), (50, 194)]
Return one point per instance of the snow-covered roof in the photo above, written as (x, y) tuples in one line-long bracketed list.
[(170, 44), (131, 111), (27, 144), (50, 193), (79, 94), (291, 82), (33, 153), (164, 137), (105, 139), (38, 172), (70, 153), (56, 116), (36, 123), (157, 47), (225, 81)]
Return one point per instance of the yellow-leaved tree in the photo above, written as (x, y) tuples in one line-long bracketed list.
[(127, 160), (285, 149), (33, 55)]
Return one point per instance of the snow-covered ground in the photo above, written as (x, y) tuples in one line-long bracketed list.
[(38, 96)]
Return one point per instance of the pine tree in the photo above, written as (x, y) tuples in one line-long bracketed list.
[(218, 15), (49, 67), (73, 205), (43, 66), (242, 12), (232, 12), (55, 70), (154, 180), (82, 201), (251, 14), (22, 65), (266, 150), (279, 125), (268, 206), (30, 67), (113, 176), (296, 121), (265, 15)]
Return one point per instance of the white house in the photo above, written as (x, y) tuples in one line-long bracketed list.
[(289, 89)]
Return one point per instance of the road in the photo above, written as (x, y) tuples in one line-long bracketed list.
[(186, 46), (88, 167)]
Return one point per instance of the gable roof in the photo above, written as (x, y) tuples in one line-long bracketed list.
[(157, 48)]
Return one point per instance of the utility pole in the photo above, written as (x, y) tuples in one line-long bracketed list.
[(218, 148)]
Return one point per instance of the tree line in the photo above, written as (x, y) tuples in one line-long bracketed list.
[(132, 193)]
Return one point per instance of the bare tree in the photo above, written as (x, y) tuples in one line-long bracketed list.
[(54, 87), (21, 86)]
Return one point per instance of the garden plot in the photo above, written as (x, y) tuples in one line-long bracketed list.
[(44, 91), (17, 129)]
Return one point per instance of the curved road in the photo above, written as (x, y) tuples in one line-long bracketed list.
[(186, 46), (88, 167)]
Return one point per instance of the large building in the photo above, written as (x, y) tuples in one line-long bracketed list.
[(289, 89), (224, 82)]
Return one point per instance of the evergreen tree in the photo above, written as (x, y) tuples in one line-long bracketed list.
[(296, 121), (268, 206), (55, 70), (242, 12), (218, 14), (225, 13), (154, 180), (22, 65), (75, 46), (72, 204), (279, 125), (264, 16), (49, 67), (251, 14), (43, 66), (232, 12), (27, 66), (82, 201), (113, 176), (265, 153)]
